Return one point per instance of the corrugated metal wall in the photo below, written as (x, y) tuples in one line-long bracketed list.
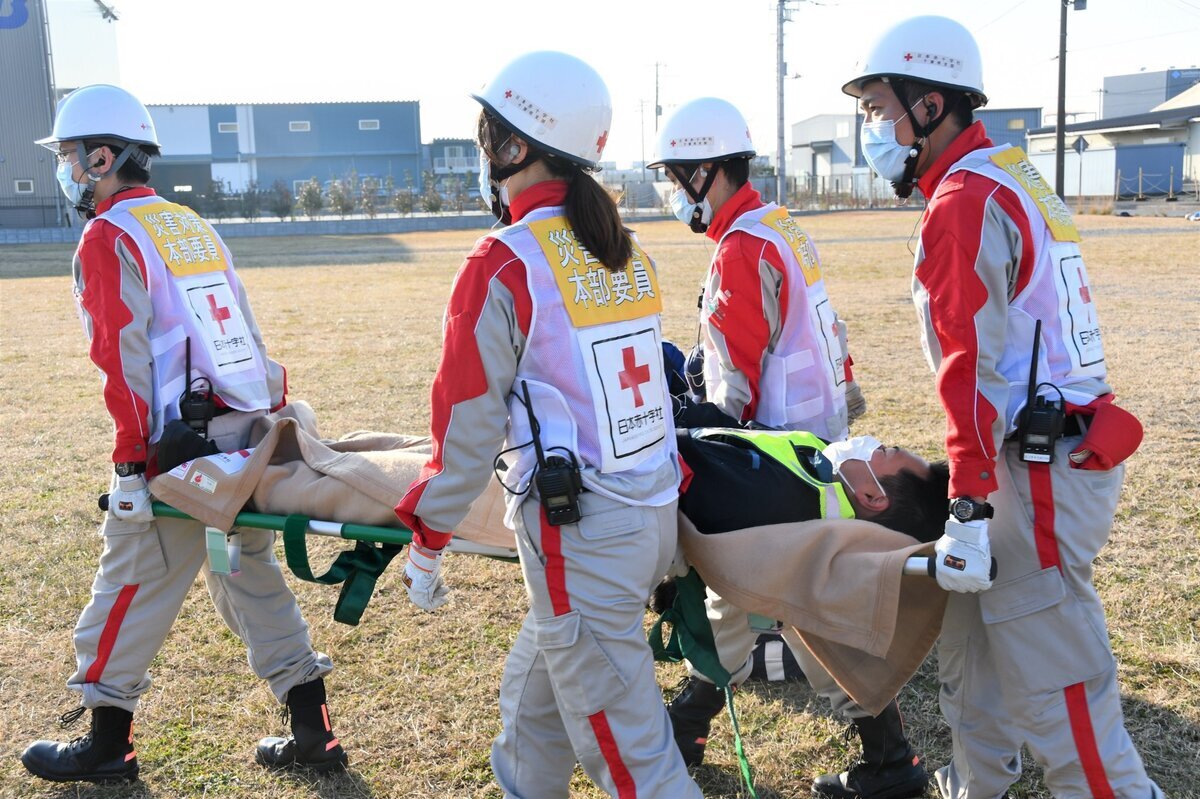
[(1097, 174), (1157, 162), (27, 115)]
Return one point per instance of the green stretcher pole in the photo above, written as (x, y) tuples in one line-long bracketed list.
[(356, 570), (270, 521)]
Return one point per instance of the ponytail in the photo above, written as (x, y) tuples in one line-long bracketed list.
[(593, 215)]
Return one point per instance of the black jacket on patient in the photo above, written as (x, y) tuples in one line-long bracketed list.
[(733, 486)]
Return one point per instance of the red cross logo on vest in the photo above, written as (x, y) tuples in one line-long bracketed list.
[(507, 94), (1084, 294), (219, 315), (600, 141), (633, 376)]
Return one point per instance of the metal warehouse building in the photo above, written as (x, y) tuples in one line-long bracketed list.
[(1151, 154), (29, 194), (1126, 95), (289, 142)]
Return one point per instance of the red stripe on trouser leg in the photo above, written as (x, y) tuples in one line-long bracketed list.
[(1085, 741), (1080, 718), (108, 637), (622, 779), (556, 569), (1042, 491)]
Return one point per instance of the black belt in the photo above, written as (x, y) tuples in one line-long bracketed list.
[(222, 411), (1074, 426)]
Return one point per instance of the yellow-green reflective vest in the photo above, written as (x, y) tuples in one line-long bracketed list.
[(782, 447)]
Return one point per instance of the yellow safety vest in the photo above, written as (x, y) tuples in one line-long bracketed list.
[(782, 447)]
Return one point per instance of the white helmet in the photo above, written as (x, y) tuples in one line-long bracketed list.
[(933, 50), (101, 111), (701, 130), (554, 101)]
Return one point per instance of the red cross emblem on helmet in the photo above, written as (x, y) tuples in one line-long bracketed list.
[(908, 56)]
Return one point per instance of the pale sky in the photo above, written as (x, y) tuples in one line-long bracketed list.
[(236, 51)]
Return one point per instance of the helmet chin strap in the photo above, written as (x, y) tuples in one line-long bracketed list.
[(696, 223), (501, 173), (86, 207), (904, 187)]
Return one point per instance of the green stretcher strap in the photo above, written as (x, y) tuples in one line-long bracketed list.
[(692, 639), (356, 569)]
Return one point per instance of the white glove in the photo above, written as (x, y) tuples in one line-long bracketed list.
[(964, 557), (423, 578), (129, 499)]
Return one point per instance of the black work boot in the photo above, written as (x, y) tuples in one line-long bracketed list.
[(312, 744), (692, 711), (889, 769), (103, 754)]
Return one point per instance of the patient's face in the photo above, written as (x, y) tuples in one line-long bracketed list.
[(884, 461), (893, 460)]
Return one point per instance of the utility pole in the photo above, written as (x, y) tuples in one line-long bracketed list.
[(657, 105), (1060, 133), (642, 108), (781, 16)]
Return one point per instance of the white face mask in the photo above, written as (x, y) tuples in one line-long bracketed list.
[(683, 208), (66, 180), (485, 179), (884, 154), (858, 448), (485, 184)]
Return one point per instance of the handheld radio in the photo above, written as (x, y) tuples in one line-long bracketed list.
[(557, 479), (1042, 420), (196, 408)]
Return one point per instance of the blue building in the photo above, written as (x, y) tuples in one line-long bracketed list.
[(262, 143), (1141, 92)]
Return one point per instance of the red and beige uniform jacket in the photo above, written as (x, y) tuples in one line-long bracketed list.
[(531, 306), (772, 350), (151, 276), (998, 251)]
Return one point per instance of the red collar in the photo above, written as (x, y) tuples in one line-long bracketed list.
[(743, 200), (973, 138), (539, 195), (123, 194)]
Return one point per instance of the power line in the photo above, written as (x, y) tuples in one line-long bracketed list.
[(1006, 13), (1188, 5), (1127, 41)]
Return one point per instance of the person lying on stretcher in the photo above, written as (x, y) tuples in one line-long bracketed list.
[(736, 478)]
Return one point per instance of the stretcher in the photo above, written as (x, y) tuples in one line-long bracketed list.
[(359, 569)]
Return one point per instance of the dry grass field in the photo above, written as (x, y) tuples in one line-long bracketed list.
[(413, 697)]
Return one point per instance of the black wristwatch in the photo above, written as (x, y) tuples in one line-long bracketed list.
[(965, 509), (129, 469)]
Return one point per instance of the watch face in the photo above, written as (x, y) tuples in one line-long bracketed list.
[(963, 509)]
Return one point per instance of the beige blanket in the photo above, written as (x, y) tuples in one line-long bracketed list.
[(840, 586), (358, 479), (837, 583)]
